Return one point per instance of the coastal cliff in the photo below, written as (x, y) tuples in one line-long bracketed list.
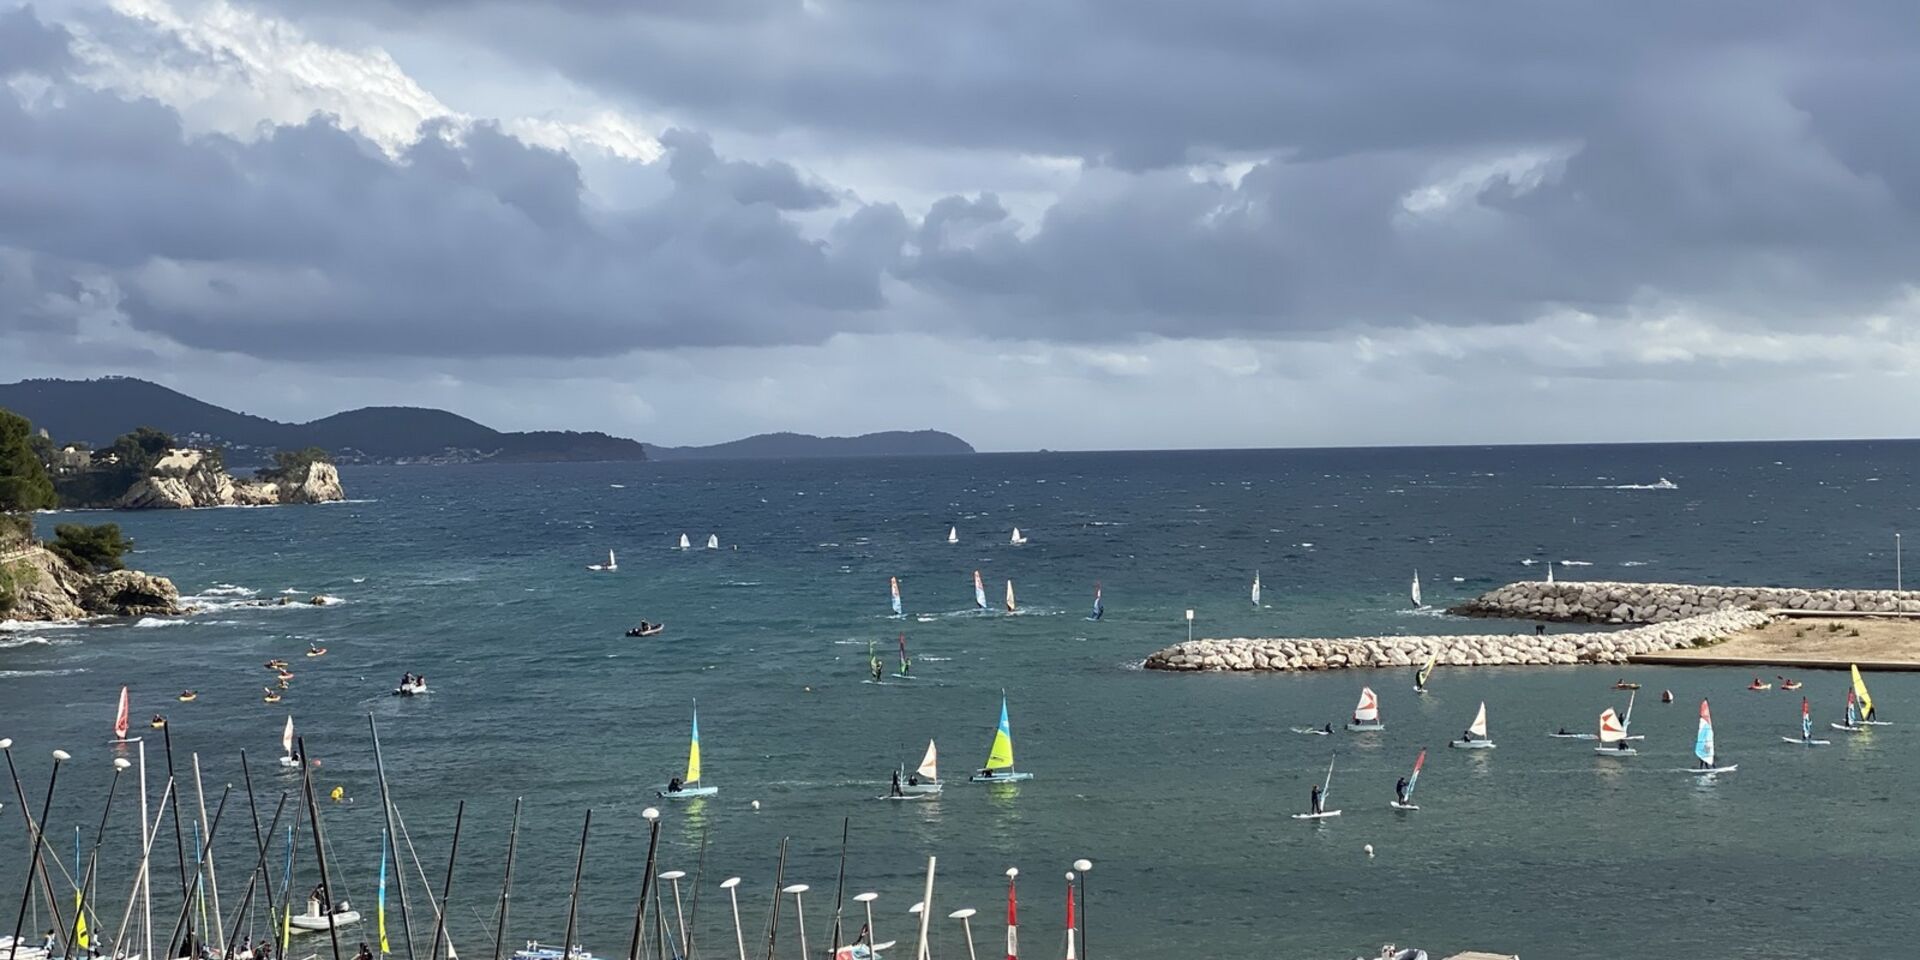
[(37, 584), (1619, 602), (191, 478)]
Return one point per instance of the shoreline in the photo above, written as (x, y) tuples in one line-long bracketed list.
[(1833, 642)]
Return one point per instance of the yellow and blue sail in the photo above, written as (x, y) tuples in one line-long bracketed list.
[(80, 938), (1001, 756), (693, 750), (382, 908)]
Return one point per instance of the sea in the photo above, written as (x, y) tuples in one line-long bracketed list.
[(1178, 789)]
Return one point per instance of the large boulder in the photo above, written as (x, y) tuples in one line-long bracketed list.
[(130, 593)]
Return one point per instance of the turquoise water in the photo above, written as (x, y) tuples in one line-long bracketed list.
[(1177, 786)]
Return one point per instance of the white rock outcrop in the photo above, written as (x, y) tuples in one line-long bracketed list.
[(189, 478)]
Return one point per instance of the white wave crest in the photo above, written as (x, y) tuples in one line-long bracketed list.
[(157, 622)]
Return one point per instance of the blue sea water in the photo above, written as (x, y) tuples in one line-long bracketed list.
[(1178, 787)]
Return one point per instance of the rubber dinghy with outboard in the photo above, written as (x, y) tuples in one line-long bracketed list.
[(1805, 738), (646, 629), (999, 767), (1703, 747), (315, 919), (689, 786), (1613, 736), (1325, 788), (1476, 735), (1366, 714), (412, 687), (1405, 801)]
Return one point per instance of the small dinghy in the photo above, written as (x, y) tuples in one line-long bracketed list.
[(1317, 809), (688, 787), (1391, 952), (1805, 738), (1625, 685), (316, 919), (1403, 800), (1476, 736), (313, 651), (1703, 748), (713, 541), (1016, 539), (924, 781), (187, 696), (1366, 714), (1613, 736), (609, 567), (287, 758), (535, 950), (953, 534), (999, 767), (685, 544), (646, 629)]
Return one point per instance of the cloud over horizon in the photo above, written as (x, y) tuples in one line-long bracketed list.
[(1124, 224)]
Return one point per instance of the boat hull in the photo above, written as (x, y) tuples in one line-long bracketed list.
[(1471, 744), (921, 789), (1616, 752), (1010, 776), (1366, 727), (1709, 771), (687, 793), (1806, 741), (314, 924)]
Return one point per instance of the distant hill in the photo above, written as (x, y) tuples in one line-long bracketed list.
[(97, 411), (789, 446)]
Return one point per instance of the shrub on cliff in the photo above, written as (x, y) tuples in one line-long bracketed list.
[(13, 578), (24, 484), (293, 464), (93, 549)]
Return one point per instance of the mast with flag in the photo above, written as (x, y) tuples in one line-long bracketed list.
[(1071, 953), (1013, 936)]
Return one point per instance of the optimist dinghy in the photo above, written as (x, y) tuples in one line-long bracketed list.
[(1476, 736), (1613, 736), (1806, 728), (1703, 747), (1366, 714)]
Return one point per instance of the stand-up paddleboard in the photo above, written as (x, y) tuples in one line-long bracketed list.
[(1413, 780), (1476, 738), (121, 720), (1366, 714), (1703, 747), (1806, 728), (689, 786), (1867, 717), (1613, 736), (999, 766), (1325, 788)]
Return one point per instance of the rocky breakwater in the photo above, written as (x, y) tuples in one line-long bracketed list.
[(1618, 602), (193, 478), (37, 584), (1467, 650)]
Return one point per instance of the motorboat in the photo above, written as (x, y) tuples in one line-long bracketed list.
[(646, 629), (316, 919)]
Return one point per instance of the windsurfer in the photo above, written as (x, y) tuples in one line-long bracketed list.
[(1313, 803), (1400, 790), (1562, 733), (1327, 729)]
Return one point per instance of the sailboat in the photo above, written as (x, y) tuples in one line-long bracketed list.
[(1325, 788), (999, 768), (893, 584), (1405, 801), (906, 662), (120, 720), (1256, 588), (1425, 673), (610, 566), (1012, 607), (1613, 736), (953, 534), (713, 541), (1416, 590), (1016, 539), (1703, 747), (287, 759), (684, 542), (1098, 610), (1476, 736), (1806, 728), (689, 786), (1868, 718), (979, 592), (925, 780), (1366, 714), (1852, 724)]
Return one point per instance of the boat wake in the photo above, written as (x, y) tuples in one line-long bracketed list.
[(1662, 484), (1576, 563), (64, 672), (16, 642), (149, 622)]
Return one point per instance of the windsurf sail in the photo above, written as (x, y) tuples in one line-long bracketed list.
[(1327, 787), (953, 534), (1860, 690), (380, 909), (1610, 729), (1000, 757), (1549, 571), (1413, 779), (1853, 712), (1479, 728), (693, 750), (612, 564), (873, 660), (929, 769), (1626, 721), (1368, 709), (1256, 588), (1703, 741), (1098, 610), (286, 737), (1011, 606), (906, 662), (120, 716), (1426, 673), (1416, 589), (713, 541), (893, 584), (979, 591), (1806, 719)]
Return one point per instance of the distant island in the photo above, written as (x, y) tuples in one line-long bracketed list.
[(97, 411)]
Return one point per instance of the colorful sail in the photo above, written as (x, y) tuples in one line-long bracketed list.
[(929, 769), (1860, 690), (1011, 606), (1368, 709), (1098, 610), (81, 938), (1426, 673), (1416, 588), (1853, 712), (1610, 729), (893, 584), (381, 906), (906, 662), (1256, 588), (1703, 741), (1071, 931), (1479, 728), (1414, 779), (693, 750), (286, 737), (1806, 719), (120, 716), (979, 591), (1013, 923), (1001, 756)]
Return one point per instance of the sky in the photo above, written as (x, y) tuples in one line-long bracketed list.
[(1071, 224)]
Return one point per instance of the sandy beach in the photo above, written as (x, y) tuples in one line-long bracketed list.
[(1812, 642)]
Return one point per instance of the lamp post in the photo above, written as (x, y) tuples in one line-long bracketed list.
[(1189, 624), (1083, 867), (799, 913), (873, 936), (1897, 585), (965, 916), (732, 886), (680, 918), (39, 833)]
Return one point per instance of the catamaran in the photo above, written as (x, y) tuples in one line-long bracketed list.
[(610, 566), (684, 542), (1016, 539), (1404, 801), (1255, 593), (979, 592), (1425, 673), (1416, 590), (906, 662), (1806, 728), (999, 768), (1011, 606), (1321, 800), (893, 584), (713, 541), (1852, 724), (1098, 610), (1868, 718), (1613, 736), (1366, 714), (1703, 747), (953, 534), (682, 788), (120, 720), (925, 780), (1476, 736), (287, 759)]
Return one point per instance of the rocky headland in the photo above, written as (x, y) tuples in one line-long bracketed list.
[(191, 478), (37, 584)]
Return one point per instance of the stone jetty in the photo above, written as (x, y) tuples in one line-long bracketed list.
[(1617, 602), (1466, 650)]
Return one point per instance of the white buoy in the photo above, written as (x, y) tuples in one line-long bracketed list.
[(756, 804), (1369, 849)]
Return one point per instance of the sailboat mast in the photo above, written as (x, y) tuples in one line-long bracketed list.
[(773, 915), (213, 880), (840, 886), (259, 839), (446, 885), (184, 925), (646, 884), (573, 896), (386, 807), (319, 845), (253, 878), (1328, 785), (506, 884), (93, 858)]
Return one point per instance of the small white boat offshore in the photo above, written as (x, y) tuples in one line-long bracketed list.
[(953, 534), (1391, 952), (1017, 538), (1703, 747), (1366, 714), (1806, 728), (1318, 808), (610, 566), (1012, 607), (713, 541), (1613, 736), (316, 918), (1403, 799), (999, 767), (1255, 592), (923, 783), (534, 950), (287, 759), (411, 687), (1476, 736), (685, 544), (688, 787), (1416, 590)]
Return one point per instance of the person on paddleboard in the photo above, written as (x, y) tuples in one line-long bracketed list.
[(1400, 790), (1313, 802)]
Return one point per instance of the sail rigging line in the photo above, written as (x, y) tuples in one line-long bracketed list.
[(253, 879), (425, 883), (386, 805), (446, 890), (183, 926), (259, 839), (319, 844)]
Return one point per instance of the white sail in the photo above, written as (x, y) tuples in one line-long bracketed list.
[(713, 541), (1016, 538), (1610, 729), (929, 766), (1368, 709), (286, 737), (1256, 588), (1416, 588), (684, 542), (953, 534), (1549, 571), (1479, 728), (612, 564), (1011, 606)]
